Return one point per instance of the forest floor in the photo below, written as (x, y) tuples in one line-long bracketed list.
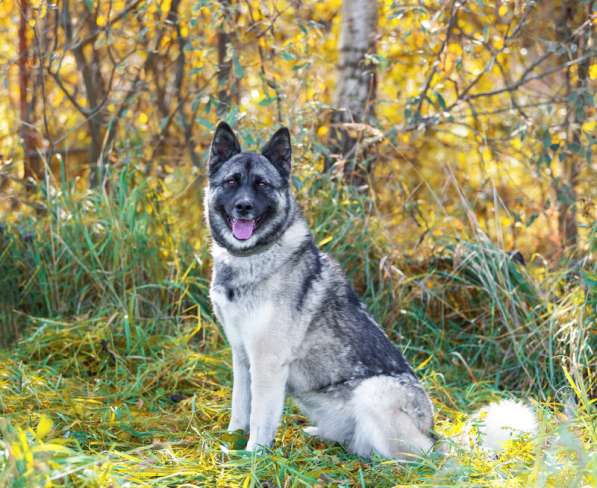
[(77, 410)]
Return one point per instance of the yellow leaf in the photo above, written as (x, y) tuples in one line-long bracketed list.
[(589, 126), (51, 447), (247, 481), (325, 240), (572, 383), (455, 48), (503, 10), (101, 21), (449, 62), (16, 451), (27, 454), (165, 6), (142, 118), (424, 363), (323, 131), (593, 71), (44, 426)]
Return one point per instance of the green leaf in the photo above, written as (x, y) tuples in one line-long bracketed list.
[(208, 105), (440, 100), (204, 122), (233, 116), (264, 102), (546, 139), (288, 56), (248, 138), (195, 103), (297, 182), (575, 147), (164, 122), (239, 71), (300, 66), (534, 216), (589, 279)]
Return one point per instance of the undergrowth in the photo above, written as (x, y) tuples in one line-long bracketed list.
[(120, 376)]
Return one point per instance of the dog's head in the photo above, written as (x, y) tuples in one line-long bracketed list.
[(248, 197)]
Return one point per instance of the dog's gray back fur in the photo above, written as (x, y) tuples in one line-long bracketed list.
[(295, 323)]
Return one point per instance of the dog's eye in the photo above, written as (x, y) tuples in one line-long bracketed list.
[(262, 183), (230, 182)]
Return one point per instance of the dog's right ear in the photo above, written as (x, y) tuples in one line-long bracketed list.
[(223, 146)]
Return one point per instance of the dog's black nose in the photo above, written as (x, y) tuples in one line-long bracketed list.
[(244, 206)]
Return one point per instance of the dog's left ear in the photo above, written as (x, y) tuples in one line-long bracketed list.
[(278, 151)]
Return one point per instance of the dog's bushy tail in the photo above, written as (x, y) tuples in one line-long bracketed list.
[(491, 427)]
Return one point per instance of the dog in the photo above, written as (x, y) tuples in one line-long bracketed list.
[(294, 323)]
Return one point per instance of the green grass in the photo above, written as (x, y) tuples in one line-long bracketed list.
[(120, 376)]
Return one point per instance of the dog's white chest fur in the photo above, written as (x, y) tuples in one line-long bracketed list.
[(248, 297), (243, 315)]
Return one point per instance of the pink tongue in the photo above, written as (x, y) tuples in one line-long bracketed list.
[(243, 229)]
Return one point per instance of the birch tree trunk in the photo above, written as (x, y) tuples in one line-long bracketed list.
[(356, 88)]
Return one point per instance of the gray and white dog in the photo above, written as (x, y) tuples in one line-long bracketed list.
[(294, 322)]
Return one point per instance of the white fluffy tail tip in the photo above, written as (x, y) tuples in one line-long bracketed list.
[(493, 426)]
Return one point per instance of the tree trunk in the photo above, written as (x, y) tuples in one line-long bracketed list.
[(187, 125), (228, 88), (95, 91), (356, 88), (96, 163), (26, 130), (565, 187)]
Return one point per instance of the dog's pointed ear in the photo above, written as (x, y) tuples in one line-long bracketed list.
[(223, 146), (278, 151)]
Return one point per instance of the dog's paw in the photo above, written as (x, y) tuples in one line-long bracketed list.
[(258, 449), (311, 431), (233, 426)]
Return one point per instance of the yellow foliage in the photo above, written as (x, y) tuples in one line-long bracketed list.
[(589, 126), (283, 60), (44, 427)]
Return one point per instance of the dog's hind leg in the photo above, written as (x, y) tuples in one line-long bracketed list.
[(330, 413), (393, 417)]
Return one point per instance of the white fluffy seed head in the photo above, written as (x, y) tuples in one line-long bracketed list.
[(493, 425)]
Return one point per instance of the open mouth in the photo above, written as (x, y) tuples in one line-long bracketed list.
[(243, 229)]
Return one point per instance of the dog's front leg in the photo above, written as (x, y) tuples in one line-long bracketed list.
[(241, 391), (268, 389)]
